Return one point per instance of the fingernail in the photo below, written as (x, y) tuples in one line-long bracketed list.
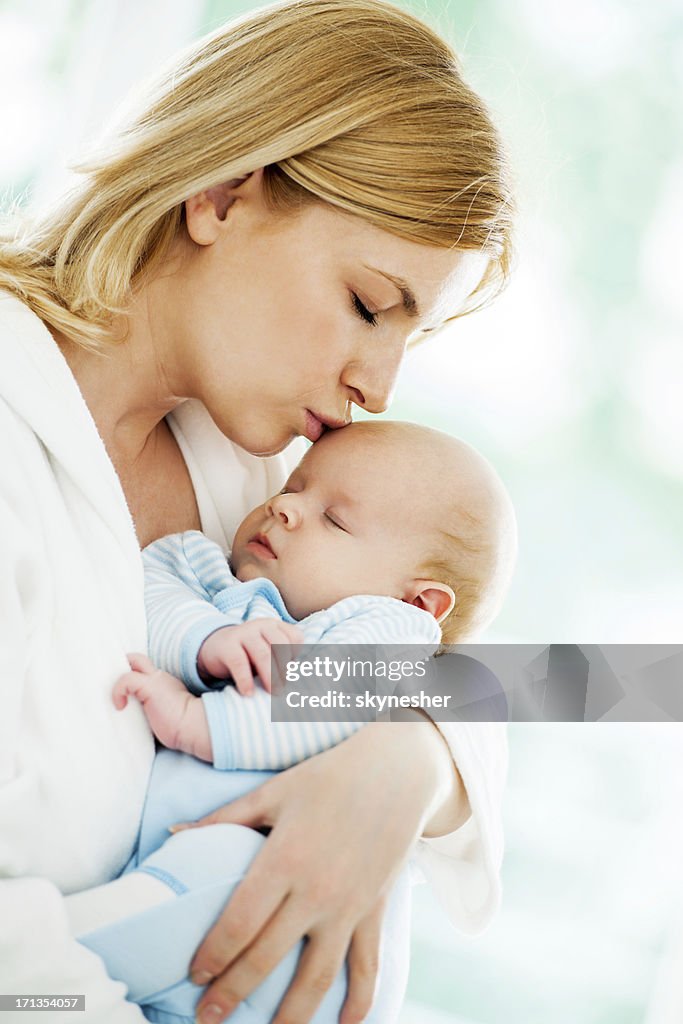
[(210, 1014), (200, 977)]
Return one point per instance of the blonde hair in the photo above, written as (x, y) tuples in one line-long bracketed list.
[(479, 575), (349, 102), (476, 555)]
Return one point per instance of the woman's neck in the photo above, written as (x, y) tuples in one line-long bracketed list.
[(125, 385)]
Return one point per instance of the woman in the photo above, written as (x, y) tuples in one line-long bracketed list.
[(242, 262)]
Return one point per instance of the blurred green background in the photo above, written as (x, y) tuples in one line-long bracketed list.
[(571, 384)]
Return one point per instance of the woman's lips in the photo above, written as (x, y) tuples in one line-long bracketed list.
[(260, 545), (314, 428)]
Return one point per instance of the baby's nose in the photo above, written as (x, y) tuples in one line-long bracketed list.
[(286, 510)]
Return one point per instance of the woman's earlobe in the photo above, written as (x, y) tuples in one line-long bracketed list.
[(201, 220), (207, 210)]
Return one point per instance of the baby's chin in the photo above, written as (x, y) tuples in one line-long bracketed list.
[(247, 570)]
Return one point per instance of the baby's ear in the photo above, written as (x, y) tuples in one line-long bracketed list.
[(436, 598)]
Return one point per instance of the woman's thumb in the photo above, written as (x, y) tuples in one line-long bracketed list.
[(247, 810)]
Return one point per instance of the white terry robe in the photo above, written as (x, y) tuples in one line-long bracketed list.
[(73, 770)]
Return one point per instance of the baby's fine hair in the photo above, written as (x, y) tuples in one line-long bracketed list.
[(476, 549), (471, 543), (473, 550)]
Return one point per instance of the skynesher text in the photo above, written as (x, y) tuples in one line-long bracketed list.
[(377, 702)]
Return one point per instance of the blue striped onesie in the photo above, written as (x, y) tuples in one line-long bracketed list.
[(190, 592)]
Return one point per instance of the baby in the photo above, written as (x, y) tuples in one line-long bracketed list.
[(385, 533), (413, 520)]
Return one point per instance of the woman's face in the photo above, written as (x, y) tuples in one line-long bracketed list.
[(280, 323)]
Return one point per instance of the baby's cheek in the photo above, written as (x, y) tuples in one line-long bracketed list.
[(321, 593)]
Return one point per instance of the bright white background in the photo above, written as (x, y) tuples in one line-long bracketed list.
[(571, 384)]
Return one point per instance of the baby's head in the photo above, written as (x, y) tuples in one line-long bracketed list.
[(391, 509)]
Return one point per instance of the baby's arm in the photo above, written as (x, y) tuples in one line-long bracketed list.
[(176, 718), (189, 592), (224, 728), (235, 652), (184, 575), (243, 734)]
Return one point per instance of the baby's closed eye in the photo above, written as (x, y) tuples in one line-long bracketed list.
[(335, 522)]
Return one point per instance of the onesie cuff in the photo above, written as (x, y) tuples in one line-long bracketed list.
[(221, 730), (189, 651)]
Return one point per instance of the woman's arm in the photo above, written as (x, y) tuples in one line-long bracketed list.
[(341, 826), (463, 867)]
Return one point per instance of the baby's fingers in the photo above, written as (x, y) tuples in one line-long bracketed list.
[(141, 663), (239, 667), (127, 685), (120, 694), (258, 649), (294, 634), (283, 651)]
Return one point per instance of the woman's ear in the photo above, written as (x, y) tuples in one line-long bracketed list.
[(207, 211), (436, 598)]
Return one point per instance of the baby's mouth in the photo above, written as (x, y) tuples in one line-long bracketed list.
[(261, 546)]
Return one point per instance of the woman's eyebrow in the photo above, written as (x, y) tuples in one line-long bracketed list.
[(409, 302)]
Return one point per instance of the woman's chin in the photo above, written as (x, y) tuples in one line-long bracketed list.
[(259, 439), (268, 447)]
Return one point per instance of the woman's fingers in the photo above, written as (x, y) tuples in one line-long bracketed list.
[(330, 886), (320, 962), (363, 961), (251, 906), (262, 956), (250, 810)]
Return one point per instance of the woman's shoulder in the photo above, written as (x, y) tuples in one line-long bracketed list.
[(33, 371), (51, 446)]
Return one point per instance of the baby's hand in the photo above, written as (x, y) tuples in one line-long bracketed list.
[(175, 716), (241, 651)]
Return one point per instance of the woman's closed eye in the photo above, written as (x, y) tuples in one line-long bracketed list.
[(363, 311)]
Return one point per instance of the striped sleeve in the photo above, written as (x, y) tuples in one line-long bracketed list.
[(376, 620), (243, 735), (241, 730), (184, 573)]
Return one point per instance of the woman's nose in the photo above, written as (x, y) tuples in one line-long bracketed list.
[(371, 379), (285, 508)]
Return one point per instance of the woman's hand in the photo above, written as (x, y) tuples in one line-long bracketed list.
[(342, 825)]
